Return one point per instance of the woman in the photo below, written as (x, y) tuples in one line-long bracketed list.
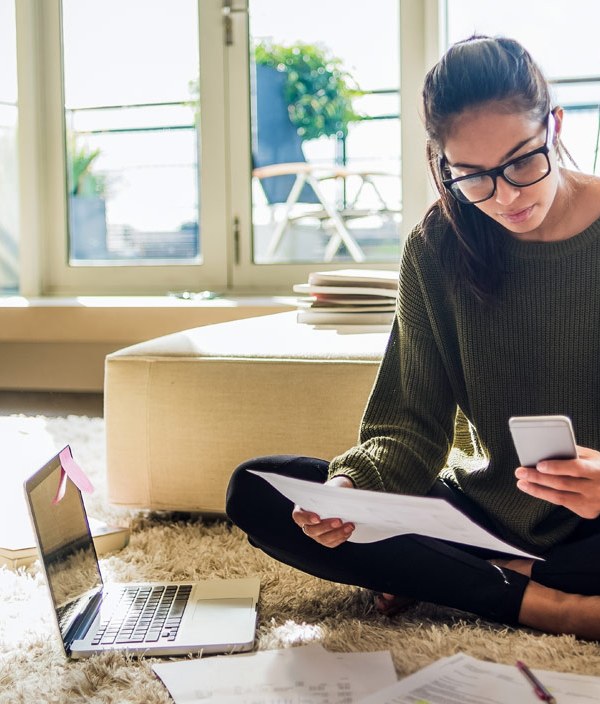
[(498, 315)]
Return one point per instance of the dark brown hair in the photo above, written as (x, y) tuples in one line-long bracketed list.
[(475, 71)]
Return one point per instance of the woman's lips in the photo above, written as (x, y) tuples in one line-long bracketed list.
[(518, 216)]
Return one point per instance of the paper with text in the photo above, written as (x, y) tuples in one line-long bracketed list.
[(462, 679), (377, 515), (289, 676)]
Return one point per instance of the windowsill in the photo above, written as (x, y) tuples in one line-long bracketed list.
[(225, 301), (125, 319)]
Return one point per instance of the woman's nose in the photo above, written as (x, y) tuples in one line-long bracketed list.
[(506, 193)]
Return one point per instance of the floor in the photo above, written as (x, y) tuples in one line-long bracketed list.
[(51, 403)]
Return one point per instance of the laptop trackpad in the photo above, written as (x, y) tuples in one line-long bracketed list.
[(224, 620)]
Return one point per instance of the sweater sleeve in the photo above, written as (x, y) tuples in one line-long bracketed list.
[(407, 428)]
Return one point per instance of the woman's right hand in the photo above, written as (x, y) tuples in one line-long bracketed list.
[(329, 532)]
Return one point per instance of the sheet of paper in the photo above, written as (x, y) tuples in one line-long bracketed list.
[(377, 515), (301, 675), (462, 679)]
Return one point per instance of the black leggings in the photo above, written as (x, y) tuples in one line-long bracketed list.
[(429, 569)]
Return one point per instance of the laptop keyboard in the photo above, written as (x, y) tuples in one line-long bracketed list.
[(145, 615)]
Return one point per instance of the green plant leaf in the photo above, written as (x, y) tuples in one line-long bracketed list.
[(318, 91), (81, 179)]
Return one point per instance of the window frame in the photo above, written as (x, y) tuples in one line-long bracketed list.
[(224, 170), (42, 160)]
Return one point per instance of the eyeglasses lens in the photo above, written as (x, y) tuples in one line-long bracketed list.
[(473, 189), (528, 170), (520, 172)]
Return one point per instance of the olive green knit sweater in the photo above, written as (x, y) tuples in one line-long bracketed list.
[(536, 351)]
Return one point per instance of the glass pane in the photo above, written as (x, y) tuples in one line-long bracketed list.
[(326, 131), (574, 70), (9, 178), (131, 117)]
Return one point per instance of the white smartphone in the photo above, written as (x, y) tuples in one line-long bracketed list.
[(538, 438)]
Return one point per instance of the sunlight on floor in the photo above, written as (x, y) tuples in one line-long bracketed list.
[(292, 633)]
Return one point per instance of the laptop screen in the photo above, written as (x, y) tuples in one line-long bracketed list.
[(66, 545)]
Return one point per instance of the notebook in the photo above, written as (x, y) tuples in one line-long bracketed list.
[(157, 619)]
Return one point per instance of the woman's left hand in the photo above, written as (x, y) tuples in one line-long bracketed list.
[(574, 484)]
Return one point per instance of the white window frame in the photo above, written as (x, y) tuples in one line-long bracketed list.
[(225, 166), (42, 160)]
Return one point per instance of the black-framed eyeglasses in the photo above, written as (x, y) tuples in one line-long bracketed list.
[(523, 171)]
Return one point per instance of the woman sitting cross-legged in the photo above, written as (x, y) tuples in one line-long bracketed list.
[(498, 315)]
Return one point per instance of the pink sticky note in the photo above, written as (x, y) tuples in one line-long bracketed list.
[(62, 487), (70, 468)]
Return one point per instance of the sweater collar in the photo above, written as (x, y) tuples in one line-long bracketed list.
[(523, 249)]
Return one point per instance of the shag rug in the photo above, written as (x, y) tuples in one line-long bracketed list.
[(294, 608)]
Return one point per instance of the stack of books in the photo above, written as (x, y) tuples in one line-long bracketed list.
[(364, 298)]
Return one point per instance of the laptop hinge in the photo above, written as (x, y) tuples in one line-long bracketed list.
[(81, 625)]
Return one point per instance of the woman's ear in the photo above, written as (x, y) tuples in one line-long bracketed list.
[(558, 113)]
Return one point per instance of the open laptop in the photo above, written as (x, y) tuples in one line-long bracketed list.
[(213, 616)]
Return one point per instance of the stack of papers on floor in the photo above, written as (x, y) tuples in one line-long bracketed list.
[(302, 675), (310, 674), (358, 297), (460, 678)]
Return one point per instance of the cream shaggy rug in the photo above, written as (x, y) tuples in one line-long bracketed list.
[(294, 608)]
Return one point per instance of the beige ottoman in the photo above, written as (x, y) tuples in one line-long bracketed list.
[(182, 411)]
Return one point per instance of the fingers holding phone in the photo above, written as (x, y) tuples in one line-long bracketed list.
[(553, 467)]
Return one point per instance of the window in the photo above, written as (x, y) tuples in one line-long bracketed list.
[(327, 103), (307, 197), (562, 38), (130, 125), (9, 193), (133, 143), (138, 133)]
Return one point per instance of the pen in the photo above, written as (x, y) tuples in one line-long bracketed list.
[(540, 691)]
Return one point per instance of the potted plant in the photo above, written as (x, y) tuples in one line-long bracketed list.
[(87, 205), (318, 91)]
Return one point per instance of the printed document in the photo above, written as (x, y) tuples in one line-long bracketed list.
[(377, 515), (295, 675), (461, 679)]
